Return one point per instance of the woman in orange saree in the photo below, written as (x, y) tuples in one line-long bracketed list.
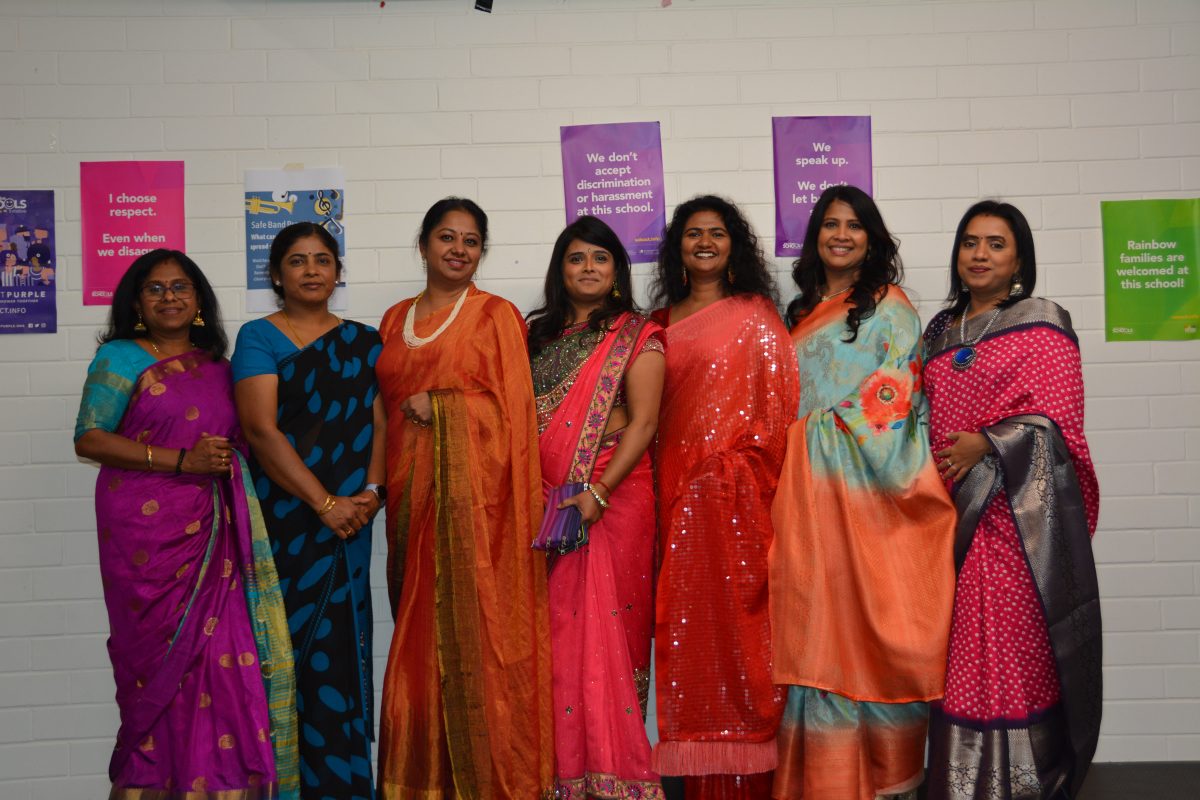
[(597, 376), (861, 570), (731, 391), (466, 696)]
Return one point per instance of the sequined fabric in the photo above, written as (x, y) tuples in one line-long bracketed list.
[(731, 390)]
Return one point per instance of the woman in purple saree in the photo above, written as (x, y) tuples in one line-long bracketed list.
[(198, 637)]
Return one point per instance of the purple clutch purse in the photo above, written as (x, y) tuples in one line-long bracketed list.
[(562, 529)]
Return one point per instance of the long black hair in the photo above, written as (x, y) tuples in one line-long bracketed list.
[(287, 237), (881, 267), (547, 320), (123, 316), (746, 261), (959, 297)]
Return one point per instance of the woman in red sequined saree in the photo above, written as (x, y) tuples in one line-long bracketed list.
[(731, 391)]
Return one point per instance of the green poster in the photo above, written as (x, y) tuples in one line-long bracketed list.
[(1151, 285)]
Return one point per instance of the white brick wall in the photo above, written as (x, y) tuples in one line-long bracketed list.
[(1055, 105)]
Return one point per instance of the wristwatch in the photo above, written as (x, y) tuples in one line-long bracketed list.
[(379, 489)]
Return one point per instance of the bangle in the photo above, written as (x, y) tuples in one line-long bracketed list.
[(149, 459), (327, 506), (179, 461), (587, 487), (604, 485)]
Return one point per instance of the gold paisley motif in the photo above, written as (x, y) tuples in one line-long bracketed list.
[(200, 784), (205, 699), (150, 507), (156, 389), (226, 742), (192, 528), (147, 745), (192, 413), (143, 436), (246, 659), (262, 734), (210, 625), (226, 660), (228, 569), (140, 557), (179, 573)]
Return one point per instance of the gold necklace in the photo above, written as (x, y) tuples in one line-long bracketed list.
[(291, 328), (160, 352), (825, 297)]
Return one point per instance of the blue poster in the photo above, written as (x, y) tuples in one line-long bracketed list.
[(27, 285), (278, 198)]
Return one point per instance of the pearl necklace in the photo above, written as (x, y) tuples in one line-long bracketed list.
[(410, 334), (964, 356)]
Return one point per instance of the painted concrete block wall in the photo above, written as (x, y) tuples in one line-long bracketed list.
[(1054, 105)]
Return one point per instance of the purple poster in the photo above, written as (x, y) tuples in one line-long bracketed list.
[(27, 302), (812, 154), (614, 172)]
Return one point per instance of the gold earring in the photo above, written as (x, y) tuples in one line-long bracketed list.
[(141, 325), (616, 293), (198, 322), (729, 273), (1016, 288)]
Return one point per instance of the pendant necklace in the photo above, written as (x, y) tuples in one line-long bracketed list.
[(825, 297), (410, 334), (964, 356)]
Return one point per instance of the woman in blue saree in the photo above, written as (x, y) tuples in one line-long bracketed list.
[(308, 401)]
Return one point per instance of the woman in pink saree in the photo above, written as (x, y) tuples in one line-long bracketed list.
[(597, 373), (198, 636), (1024, 686)]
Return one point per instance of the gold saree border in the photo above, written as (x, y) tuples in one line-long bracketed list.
[(457, 624)]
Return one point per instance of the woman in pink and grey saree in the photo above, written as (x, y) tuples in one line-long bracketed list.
[(198, 637), (1021, 714), (597, 373)]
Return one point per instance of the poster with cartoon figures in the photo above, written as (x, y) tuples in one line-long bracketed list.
[(27, 285), (276, 198)]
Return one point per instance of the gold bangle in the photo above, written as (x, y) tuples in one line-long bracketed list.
[(149, 459), (327, 506), (587, 487)]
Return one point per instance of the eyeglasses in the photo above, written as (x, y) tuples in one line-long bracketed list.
[(181, 289)]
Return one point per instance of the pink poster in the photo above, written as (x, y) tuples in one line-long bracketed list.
[(128, 208)]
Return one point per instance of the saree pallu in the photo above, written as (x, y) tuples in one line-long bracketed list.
[(601, 596), (198, 636), (466, 698), (731, 391), (1021, 715), (862, 575), (325, 395)]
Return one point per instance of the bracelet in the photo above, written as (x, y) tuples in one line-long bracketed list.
[(327, 506), (606, 487), (587, 487), (149, 459), (179, 461)]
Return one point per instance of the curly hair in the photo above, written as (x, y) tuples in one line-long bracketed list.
[(746, 261), (881, 267), (548, 320)]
